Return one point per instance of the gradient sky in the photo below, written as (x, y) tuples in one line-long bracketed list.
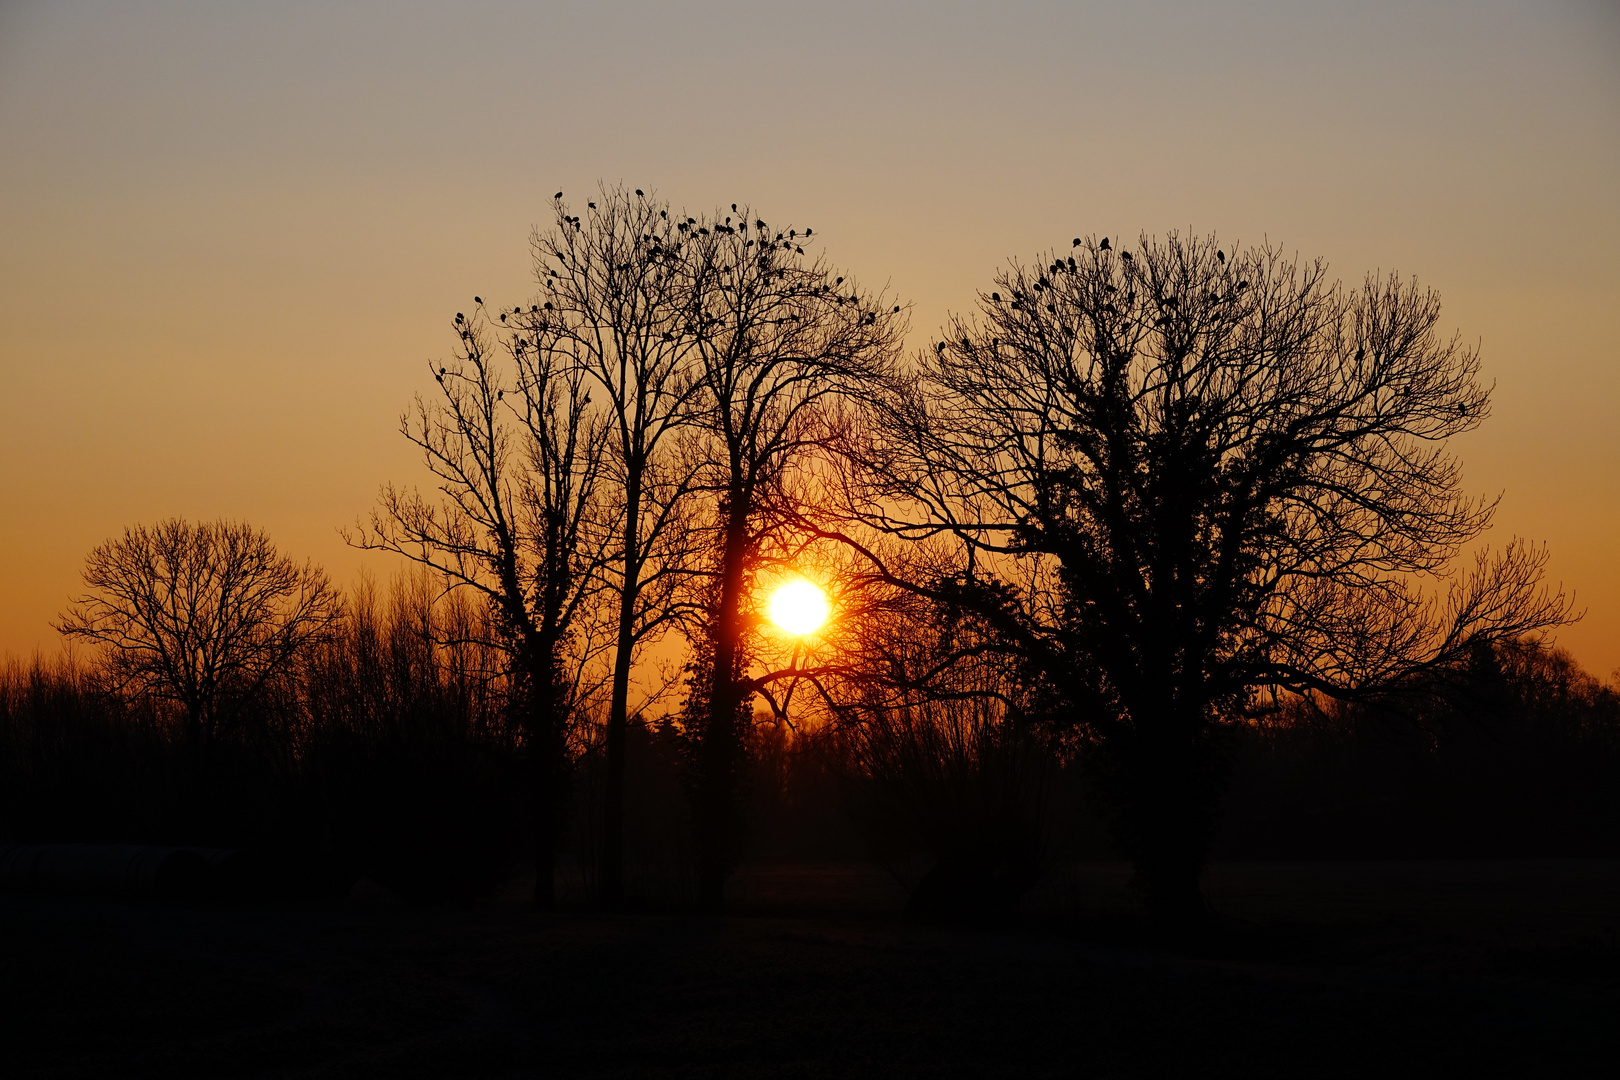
[(232, 234)]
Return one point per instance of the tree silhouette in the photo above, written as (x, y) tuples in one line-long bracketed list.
[(614, 297), (520, 465), (200, 615), (778, 337), (1178, 481)]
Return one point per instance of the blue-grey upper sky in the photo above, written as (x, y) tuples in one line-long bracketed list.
[(231, 234)]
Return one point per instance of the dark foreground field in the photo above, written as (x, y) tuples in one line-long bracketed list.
[(1394, 969)]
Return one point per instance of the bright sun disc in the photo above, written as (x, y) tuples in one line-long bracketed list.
[(799, 607)]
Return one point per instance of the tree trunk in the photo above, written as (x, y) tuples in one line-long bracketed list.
[(546, 725), (612, 868), (545, 844), (195, 811), (718, 814), (1168, 863), (548, 790), (1171, 781), (546, 772)]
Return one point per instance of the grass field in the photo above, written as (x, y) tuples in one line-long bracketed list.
[(1320, 969)]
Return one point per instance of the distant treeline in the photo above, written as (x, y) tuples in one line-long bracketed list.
[(1516, 755), (388, 753)]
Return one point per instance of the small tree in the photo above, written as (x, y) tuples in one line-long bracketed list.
[(200, 615), (1181, 481), (521, 521)]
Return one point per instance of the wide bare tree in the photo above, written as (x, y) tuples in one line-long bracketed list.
[(521, 519), (614, 298), (1178, 482), (202, 615), (779, 337)]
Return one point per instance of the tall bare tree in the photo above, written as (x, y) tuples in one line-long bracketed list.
[(1179, 481), (201, 615), (520, 461), (778, 336), (614, 298)]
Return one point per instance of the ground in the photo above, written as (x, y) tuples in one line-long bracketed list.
[(1319, 970)]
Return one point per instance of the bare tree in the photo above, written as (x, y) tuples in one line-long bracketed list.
[(520, 464), (200, 615), (615, 290), (1179, 482), (778, 338)]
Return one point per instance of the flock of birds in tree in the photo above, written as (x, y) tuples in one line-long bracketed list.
[(787, 243)]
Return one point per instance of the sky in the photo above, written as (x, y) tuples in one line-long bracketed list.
[(233, 235)]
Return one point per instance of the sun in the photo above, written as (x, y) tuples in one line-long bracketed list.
[(799, 607)]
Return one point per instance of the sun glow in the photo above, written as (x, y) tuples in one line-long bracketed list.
[(799, 607)]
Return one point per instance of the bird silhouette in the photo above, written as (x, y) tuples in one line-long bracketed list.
[(591, 205), (640, 192), (996, 297), (1221, 255), (557, 196), (1104, 245), (733, 208), (478, 299), (1076, 242)]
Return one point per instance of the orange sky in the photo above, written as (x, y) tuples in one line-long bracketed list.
[(231, 235)]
